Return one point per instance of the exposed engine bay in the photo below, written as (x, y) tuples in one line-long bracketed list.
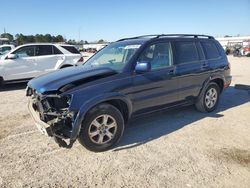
[(53, 110)]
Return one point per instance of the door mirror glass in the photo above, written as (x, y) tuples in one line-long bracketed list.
[(12, 56), (142, 67)]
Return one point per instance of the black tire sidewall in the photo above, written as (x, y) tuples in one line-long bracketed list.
[(1, 81), (216, 87), (101, 109)]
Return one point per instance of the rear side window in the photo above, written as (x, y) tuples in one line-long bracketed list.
[(210, 50), (43, 50), (56, 50), (186, 52), (71, 49)]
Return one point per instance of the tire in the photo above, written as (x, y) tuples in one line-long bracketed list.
[(1, 81), (203, 104), (96, 135)]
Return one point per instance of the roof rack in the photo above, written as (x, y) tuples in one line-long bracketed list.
[(169, 35), (186, 35), (138, 37)]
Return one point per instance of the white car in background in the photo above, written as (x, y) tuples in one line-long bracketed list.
[(32, 60), (4, 49)]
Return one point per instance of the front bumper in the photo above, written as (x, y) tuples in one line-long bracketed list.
[(47, 129), (43, 127)]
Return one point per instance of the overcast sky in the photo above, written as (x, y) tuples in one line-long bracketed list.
[(113, 19)]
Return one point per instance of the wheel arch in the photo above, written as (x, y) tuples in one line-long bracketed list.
[(121, 102), (121, 106), (219, 82), (66, 65)]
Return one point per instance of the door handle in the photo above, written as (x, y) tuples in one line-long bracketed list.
[(205, 65), (171, 72)]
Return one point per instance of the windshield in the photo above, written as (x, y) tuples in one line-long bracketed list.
[(114, 56)]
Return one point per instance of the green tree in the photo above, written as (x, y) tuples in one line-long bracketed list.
[(47, 38), (59, 38), (101, 41), (22, 39)]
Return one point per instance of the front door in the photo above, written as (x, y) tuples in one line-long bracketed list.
[(45, 59), (158, 87), (23, 67)]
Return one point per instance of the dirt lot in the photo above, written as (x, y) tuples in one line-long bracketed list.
[(180, 148)]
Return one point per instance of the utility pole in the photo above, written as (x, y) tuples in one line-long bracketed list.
[(4, 31), (79, 34)]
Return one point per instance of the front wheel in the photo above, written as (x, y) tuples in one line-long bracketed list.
[(208, 101), (102, 128)]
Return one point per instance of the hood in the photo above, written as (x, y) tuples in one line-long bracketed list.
[(68, 78)]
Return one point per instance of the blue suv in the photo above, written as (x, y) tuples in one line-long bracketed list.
[(128, 78)]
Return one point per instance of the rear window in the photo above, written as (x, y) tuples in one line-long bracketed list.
[(43, 50), (71, 49), (186, 52), (210, 50)]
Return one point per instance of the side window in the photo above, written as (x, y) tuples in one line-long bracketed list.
[(210, 50), (159, 55), (186, 52), (71, 49), (26, 51), (56, 50), (43, 50)]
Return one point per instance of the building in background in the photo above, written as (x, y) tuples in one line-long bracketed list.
[(94, 46), (4, 41)]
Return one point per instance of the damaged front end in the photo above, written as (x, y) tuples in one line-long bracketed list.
[(52, 116)]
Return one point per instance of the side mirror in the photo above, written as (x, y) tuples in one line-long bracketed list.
[(142, 67), (12, 56)]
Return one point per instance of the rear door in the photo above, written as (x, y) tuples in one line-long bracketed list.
[(191, 67), (46, 60), (158, 87), (212, 55)]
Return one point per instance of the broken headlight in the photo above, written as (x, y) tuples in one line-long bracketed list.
[(57, 103)]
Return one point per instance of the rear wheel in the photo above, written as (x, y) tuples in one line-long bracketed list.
[(208, 101), (102, 128)]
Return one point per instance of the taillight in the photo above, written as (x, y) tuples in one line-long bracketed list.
[(81, 59)]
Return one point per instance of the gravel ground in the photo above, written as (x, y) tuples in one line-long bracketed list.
[(180, 148)]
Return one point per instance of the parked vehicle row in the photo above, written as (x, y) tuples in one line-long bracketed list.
[(246, 51), (32, 60), (128, 78), (238, 49)]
